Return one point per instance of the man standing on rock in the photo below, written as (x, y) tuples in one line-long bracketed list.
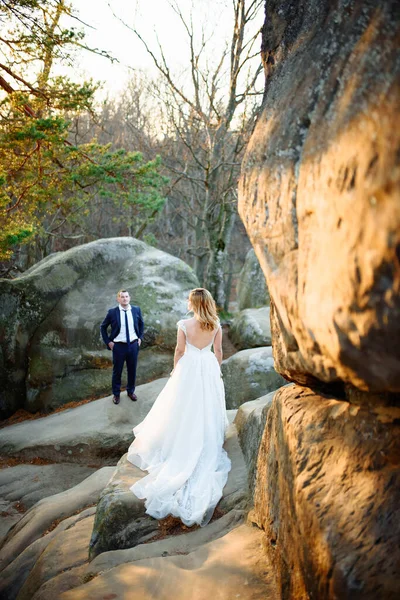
[(126, 335)]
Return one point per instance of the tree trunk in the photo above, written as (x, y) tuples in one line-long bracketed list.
[(219, 238)]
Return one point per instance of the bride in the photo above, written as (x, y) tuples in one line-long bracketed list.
[(180, 440)]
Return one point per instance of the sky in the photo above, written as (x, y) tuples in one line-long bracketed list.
[(106, 32)]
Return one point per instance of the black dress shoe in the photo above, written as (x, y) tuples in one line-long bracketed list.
[(132, 396), (116, 399)]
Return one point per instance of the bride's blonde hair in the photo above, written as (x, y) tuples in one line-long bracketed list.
[(204, 308)]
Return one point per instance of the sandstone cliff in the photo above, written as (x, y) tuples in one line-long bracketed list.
[(320, 198), (320, 189)]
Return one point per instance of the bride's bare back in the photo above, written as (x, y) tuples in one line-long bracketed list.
[(201, 338), (191, 332)]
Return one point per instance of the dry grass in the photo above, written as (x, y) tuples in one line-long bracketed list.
[(56, 522), (173, 526), (18, 506), (6, 462)]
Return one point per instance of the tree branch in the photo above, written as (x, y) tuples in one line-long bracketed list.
[(34, 91)]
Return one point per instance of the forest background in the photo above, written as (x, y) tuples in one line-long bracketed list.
[(153, 151)]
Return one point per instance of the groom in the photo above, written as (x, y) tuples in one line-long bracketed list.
[(125, 338)]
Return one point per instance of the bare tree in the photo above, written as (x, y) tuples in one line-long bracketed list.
[(207, 121)]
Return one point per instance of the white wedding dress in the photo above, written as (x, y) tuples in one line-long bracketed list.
[(180, 441)]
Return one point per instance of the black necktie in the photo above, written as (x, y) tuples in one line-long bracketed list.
[(127, 327)]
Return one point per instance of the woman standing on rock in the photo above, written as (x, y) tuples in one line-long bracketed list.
[(180, 441)]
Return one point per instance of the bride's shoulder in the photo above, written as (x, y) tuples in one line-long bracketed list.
[(181, 324), (217, 328)]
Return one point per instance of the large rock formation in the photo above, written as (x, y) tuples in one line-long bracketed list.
[(328, 496), (252, 289), (51, 350), (320, 198), (320, 189)]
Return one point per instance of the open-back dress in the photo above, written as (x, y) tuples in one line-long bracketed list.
[(180, 441)]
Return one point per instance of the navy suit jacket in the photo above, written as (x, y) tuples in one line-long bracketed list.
[(113, 318)]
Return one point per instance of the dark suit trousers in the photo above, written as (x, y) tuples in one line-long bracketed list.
[(124, 353)]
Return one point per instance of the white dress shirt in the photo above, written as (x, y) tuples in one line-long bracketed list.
[(121, 337)]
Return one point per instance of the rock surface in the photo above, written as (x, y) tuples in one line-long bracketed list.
[(51, 350), (48, 560), (250, 423), (47, 511), (30, 483), (251, 328), (320, 187), (16, 573), (97, 432), (216, 570), (252, 289), (121, 521), (24, 485), (175, 544), (170, 546), (68, 549), (248, 375), (328, 496)]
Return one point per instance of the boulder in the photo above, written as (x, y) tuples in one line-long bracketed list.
[(320, 187), (94, 433), (51, 351), (236, 490), (92, 377), (251, 328), (250, 422), (121, 521), (252, 289), (248, 375), (62, 582), (328, 496)]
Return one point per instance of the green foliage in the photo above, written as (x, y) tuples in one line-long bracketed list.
[(150, 239), (46, 182), (225, 316)]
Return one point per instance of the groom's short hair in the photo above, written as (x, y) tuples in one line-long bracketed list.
[(122, 292)]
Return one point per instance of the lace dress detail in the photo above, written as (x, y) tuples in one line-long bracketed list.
[(180, 442)]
